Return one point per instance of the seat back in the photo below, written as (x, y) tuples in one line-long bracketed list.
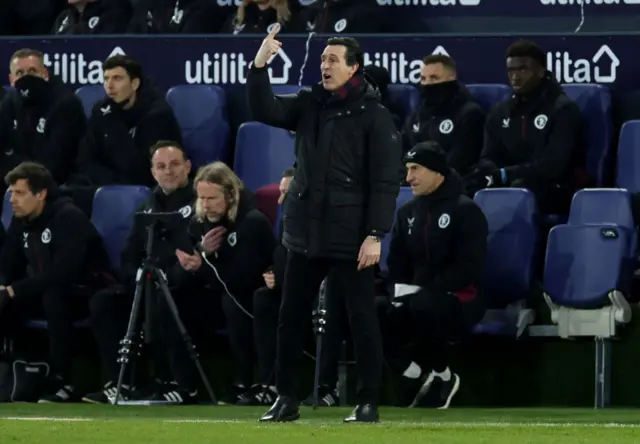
[(629, 157), (113, 212), (512, 244), (405, 97), (262, 154), (489, 95), (201, 111), (90, 95), (594, 102), (584, 263), (404, 196), (602, 206)]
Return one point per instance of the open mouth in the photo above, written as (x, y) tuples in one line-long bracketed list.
[(326, 76)]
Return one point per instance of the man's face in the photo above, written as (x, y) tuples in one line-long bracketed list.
[(334, 68), (27, 66), (284, 187), (170, 169), (118, 85), (212, 199), (422, 180), (435, 73), (23, 202), (524, 74)]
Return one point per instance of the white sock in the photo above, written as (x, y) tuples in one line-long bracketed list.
[(445, 375), (413, 371)]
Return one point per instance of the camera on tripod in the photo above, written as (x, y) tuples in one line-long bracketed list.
[(148, 278)]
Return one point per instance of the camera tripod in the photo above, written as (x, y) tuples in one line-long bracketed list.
[(149, 277), (319, 325)]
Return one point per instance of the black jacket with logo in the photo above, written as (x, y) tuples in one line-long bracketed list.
[(47, 132), (100, 17), (538, 138), (164, 251), (57, 250), (347, 163), (454, 120), (115, 149), (244, 255), (340, 16), (439, 242), (177, 17)]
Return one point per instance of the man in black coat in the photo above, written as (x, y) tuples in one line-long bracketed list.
[(93, 17), (340, 203), (436, 267), (448, 114), (42, 120), (533, 140), (52, 260)]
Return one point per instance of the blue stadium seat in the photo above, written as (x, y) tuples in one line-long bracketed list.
[(262, 154), (586, 278), (489, 95), (201, 111), (7, 211), (406, 97), (89, 96), (628, 167), (276, 225), (595, 103), (404, 196), (512, 247), (113, 211), (281, 90)]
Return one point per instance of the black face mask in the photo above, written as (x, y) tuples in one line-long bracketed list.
[(32, 89), (438, 93)]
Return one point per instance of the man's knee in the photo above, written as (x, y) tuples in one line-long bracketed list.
[(55, 301), (107, 301)]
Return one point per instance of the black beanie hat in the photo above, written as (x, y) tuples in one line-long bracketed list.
[(429, 155)]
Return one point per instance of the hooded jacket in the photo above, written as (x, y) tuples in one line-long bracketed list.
[(439, 242), (45, 129), (57, 250), (115, 149)]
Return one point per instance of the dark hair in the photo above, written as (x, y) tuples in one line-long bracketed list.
[(37, 176), (167, 144), (353, 53), (129, 64), (444, 59), (526, 48), (289, 172)]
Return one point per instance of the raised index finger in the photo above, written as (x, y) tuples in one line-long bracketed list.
[(274, 31)]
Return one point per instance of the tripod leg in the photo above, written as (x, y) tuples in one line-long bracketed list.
[(127, 342), (161, 280), (319, 322)]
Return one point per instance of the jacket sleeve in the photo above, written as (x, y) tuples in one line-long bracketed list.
[(467, 143), (280, 111), (384, 165), (550, 163), (67, 124), (470, 250), (243, 264), (399, 258), (90, 167), (70, 237), (492, 149), (13, 262), (406, 133), (114, 20)]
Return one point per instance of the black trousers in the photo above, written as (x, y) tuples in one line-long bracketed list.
[(266, 306), (302, 281), (421, 326), (60, 308), (238, 313)]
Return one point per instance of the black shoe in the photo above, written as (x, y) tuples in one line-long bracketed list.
[(440, 392), (108, 394), (364, 413), (233, 396), (326, 398), (59, 392), (173, 394), (258, 394), (285, 409)]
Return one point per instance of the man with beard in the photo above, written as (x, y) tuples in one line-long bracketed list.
[(122, 127), (41, 121), (448, 115), (534, 139)]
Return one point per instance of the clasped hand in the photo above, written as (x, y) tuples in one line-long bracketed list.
[(190, 262)]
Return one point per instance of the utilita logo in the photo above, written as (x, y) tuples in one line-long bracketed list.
[(588, 2), (223, 68), (401, 68), (429, 2), (602, 67), (75, 69)]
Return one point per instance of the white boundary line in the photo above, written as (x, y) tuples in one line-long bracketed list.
[(439, 424)]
